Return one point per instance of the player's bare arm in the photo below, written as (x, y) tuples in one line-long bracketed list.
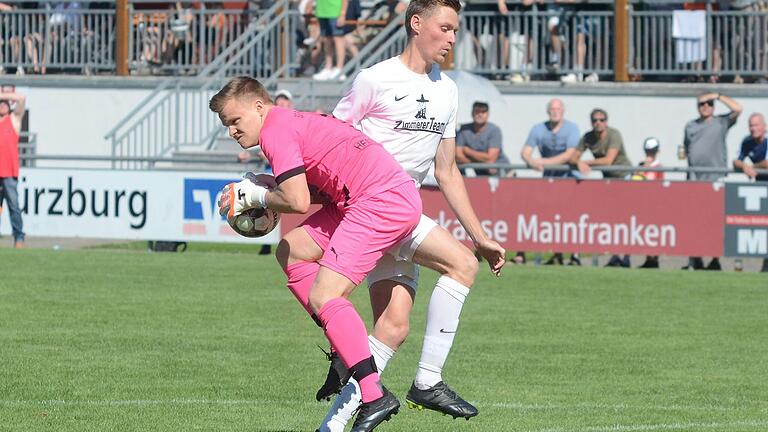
[(608, 159), (489, 156), (290, 196), (461, 156), (19, 110), (527, 155), (452, 185), (560, 159)]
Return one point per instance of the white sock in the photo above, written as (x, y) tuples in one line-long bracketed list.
[(381, 353), (346, 403), (442, 322)]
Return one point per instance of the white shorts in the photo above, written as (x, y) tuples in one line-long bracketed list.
[(396, 264)]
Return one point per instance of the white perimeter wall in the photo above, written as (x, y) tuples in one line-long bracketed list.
[(74, 120), (636, 117)]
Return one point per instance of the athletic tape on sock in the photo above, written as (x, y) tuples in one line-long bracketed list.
[(363, 368)]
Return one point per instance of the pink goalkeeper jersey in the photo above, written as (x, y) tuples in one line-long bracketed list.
[(338, 160)]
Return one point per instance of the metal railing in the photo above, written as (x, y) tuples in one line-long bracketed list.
[(58, 38), (183, 42), (671, 173), (267, 48), (71, 37), (174, 116), (389, 42), (75, 37), (525, 42), (177, 117), (734, 43), (167, 162), (27, 149)]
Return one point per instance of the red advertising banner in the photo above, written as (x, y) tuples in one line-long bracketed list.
[(595, 216)]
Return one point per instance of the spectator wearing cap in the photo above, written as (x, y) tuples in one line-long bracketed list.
[(705, 146), (607, 148), (754, 146), (284, 99), (651, 147), (480, 142)]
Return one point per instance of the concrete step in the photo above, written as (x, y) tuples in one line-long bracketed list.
[(213, 160)]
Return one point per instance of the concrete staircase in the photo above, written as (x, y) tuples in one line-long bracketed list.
[(221, 157)]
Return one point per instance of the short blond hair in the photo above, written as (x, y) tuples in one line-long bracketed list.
[(240, 87)]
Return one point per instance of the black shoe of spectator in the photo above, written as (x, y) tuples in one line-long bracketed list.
[(557, 259), (764, 269), (615, 261), (695, 264), (625, 262), (575, 261), (714, 265), (650, 262), (519, 258), (265, 250)]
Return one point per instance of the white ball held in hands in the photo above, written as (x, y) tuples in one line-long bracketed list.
[(249, 218)]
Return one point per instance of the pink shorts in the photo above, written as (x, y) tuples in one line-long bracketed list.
[(353, 238)]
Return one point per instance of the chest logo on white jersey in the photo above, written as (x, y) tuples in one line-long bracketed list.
[(422, 112), (421, 122), (398, 99)]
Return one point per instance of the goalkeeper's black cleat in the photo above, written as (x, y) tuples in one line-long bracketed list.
[(374, 413), (337, 377), (442, 399)]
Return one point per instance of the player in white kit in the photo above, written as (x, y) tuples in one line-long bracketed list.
[(409, 106)]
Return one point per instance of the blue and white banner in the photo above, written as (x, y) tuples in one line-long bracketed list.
[(127, 205)]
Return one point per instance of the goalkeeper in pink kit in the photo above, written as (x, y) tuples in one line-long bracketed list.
[(372, 204)]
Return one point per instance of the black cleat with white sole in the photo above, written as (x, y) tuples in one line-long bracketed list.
[(374, 413), (442, 399), (337, 377)]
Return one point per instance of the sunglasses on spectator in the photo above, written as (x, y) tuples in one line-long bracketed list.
[(709, 102), (599, 120)]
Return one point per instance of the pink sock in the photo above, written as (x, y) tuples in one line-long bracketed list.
[(346, 331), (301, 275)]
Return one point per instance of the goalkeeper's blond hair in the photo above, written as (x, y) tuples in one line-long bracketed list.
[(242, 87)]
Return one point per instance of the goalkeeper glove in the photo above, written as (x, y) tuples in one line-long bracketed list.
[(241, 196)]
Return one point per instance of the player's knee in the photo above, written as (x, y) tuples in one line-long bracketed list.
[(464, 269), (392, 332), (316, 300)]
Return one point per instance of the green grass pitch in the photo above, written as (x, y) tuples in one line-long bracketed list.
[(211, 340)]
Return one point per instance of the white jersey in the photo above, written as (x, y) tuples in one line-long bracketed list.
[(408, 113)]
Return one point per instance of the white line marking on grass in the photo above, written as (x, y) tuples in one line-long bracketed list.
[(658, 427), (141, 402), (615, 407)]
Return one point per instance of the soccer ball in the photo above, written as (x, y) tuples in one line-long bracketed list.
[(256, 222)]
